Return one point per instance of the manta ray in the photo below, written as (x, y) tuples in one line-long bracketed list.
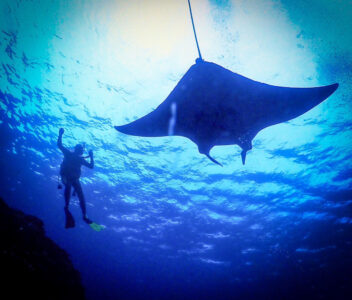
[(213, 106)]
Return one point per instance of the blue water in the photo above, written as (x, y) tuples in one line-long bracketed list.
[(178, 226)]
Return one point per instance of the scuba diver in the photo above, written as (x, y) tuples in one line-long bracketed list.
[(70, 173)]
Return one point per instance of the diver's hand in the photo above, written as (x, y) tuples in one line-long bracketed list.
[(61, 131), (90, 153)]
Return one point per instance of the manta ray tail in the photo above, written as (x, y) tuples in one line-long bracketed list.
[(213, 160)]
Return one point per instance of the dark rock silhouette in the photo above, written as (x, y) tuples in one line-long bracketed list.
[(32, 265)]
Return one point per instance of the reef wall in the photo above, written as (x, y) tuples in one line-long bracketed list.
[(32, 265)]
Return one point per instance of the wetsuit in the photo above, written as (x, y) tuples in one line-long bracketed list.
[(70, 172)]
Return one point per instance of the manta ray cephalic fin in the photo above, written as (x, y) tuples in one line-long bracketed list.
[(243, 156), (213, 160)]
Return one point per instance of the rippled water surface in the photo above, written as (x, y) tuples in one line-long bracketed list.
[(177, 225)]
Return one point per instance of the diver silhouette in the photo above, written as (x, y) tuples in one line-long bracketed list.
[(70, 173)]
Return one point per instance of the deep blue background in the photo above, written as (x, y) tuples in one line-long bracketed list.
[(178, 226)]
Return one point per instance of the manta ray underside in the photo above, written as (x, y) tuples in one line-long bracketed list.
[(212, 106)]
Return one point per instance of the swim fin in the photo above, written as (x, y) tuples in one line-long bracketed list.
[(70, 221), (96, 226)]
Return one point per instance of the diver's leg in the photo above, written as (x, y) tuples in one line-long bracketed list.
[(67, 194), (82, 202), (77, 186), (70, 222)]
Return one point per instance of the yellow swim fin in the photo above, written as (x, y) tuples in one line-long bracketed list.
[(96, 226)]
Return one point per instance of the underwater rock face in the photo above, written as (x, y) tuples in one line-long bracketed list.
[(32, 265)]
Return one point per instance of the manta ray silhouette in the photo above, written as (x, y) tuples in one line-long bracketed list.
[(212, 106)]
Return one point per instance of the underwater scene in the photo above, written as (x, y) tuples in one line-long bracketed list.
[(178, 162)]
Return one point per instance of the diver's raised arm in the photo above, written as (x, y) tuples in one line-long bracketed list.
[(59, 141)]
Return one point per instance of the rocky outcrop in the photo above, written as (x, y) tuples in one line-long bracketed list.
[(31, 264)]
